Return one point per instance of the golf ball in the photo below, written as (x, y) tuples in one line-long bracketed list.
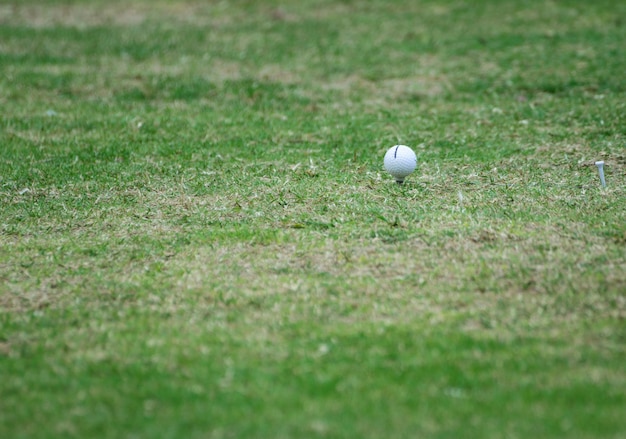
[(400, 161)]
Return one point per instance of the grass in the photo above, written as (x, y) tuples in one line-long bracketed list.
[(197, 238)]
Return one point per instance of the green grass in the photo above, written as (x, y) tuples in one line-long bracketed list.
[(197, 238)]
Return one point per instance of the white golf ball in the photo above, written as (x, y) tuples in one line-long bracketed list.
[(400, 161)]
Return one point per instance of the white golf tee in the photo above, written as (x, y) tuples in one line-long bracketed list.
[(600, 166)]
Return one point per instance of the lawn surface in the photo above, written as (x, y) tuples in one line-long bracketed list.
[(198, 240)]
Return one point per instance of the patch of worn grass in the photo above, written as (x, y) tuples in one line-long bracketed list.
[(197, 238)]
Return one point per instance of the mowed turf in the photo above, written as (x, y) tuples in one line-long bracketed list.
[(198, 240)]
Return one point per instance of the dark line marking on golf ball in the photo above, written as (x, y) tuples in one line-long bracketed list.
[(395, 153)]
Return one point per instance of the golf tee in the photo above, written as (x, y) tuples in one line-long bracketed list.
[(600, 166)]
